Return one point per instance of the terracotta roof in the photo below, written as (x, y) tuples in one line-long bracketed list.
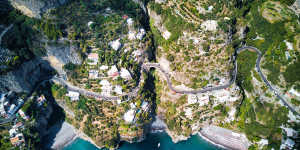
[(93, 55)]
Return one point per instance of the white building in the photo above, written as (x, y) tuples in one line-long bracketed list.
[(93, 59), (145, 106), (131, 35), (130, 21), (203, 99), (132, 105), (118, 89), (125, 74), (93, 74), (209, 25), (103, 67), (23, 115), (192, 99), (90, 23), (289, 131), (289, 45), (294, 92), (231, 115), (12, 132), (141, 34), (188, 112), (113, 71), (210, 8), (166, 34), (73, 95), (115, 44), (129, 116), (105, 87), (262, 143), (288, 144), (12, 109)]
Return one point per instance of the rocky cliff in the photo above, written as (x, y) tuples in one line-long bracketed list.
[(35, 8), (59, 54), (26, 77)]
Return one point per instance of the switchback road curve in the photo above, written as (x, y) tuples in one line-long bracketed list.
[(147, 66)]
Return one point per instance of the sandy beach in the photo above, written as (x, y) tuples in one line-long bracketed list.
[(66, 135), (224, 138)]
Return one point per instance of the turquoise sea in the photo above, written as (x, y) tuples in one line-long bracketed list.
[(151, 143)]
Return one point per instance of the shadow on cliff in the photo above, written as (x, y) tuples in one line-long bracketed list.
[(55, 119)]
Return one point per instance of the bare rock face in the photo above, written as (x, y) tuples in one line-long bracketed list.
[(35, 8), (60, 54), (25, 78)]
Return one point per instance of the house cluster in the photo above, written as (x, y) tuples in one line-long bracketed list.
[(112, 72), (288, 143), (220, 96), (93, 59), (9, 104), (132, 34), (201, 99), (129, 116), (16, 136), (224, 95)]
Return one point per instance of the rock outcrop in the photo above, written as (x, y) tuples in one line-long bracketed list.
[(59, 54), (25, 78), (35, 8)]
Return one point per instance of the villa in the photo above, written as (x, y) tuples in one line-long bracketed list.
[(130, 21), (141, 34), (129, 116), (125, 74), (145, 106), (131, 35), (188, 112), (103, 67), (113, 72), (93, 74), (115, 44), (118, 89), (73, 95), (294, 92), (93, 59), (105, 87), (203, 100)]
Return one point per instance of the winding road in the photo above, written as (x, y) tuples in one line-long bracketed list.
[(147, 66)]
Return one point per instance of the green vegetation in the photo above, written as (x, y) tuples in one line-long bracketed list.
[(174, 24), (262, 120), (20, 39), (292, 72), (272, 36), (246, 62), (295, 102), (4, 140)]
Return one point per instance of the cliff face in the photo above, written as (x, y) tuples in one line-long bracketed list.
[(35, 8), (60, 54), (26, 77)]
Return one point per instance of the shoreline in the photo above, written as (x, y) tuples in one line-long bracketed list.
[(67, 135), (211, 141), (61, 144)]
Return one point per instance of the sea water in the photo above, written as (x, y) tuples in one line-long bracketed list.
[(152, 141)]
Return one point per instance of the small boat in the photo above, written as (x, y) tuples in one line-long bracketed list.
[(158, 145)]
